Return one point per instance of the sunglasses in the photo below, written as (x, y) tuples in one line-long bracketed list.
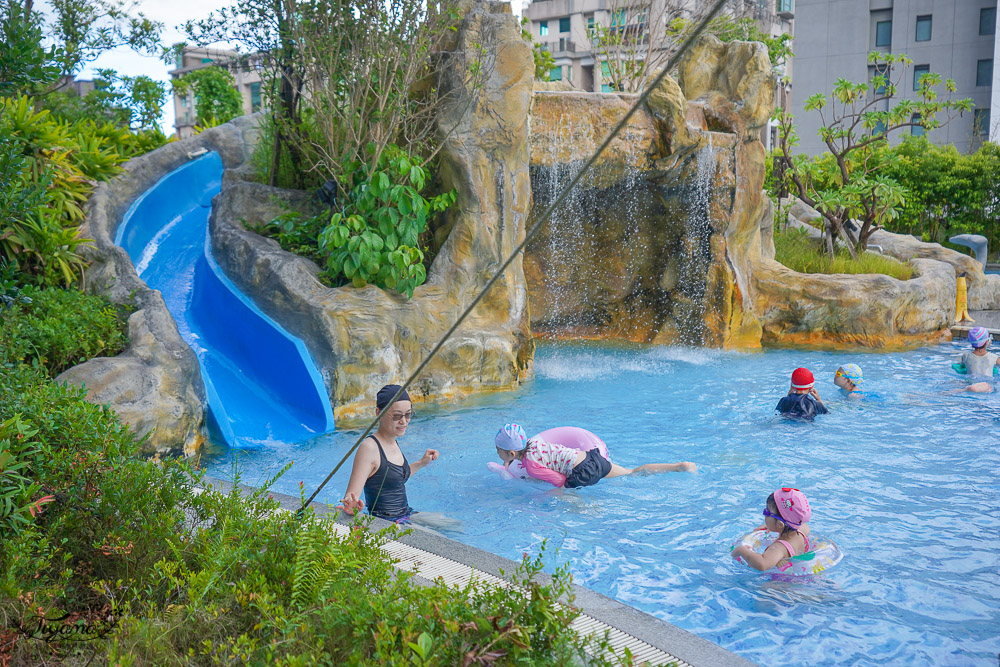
[(400, 416)]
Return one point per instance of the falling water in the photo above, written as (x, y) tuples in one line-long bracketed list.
[(626, 260)]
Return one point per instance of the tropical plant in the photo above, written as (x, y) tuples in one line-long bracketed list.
[(544, 62), (947, 192), (216, 99), (372, 234), (856, 119), (18, 450), (374, 238)]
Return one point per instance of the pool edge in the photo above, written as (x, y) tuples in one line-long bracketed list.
[(666, 637)]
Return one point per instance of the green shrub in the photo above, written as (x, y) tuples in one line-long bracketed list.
[(123, 552), (374, 236), (60, 328), (799, 252)]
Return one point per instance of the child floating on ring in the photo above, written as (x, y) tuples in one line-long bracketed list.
[(980, 362), (561, 465), (787, 513), (802, 401)]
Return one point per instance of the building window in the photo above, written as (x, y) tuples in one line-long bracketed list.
[(618, 18), (988, 21), (917, 130), (564, 24), (205, 60), (543, 28), (562, 43), (784, 6), (590, 23), (606, 78), (184, 101), (923, 29), (984, 72), (919, 71), (883, 33), (555, 74), (981, 123), (255, 96)]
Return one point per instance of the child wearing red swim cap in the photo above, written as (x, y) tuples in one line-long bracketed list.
[(802, 401), (786, 513)]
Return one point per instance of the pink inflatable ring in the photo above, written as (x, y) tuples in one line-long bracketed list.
[(573, 437)]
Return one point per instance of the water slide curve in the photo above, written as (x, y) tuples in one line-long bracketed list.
[(261, 383)]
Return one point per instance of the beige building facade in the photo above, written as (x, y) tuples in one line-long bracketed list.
[(248, 84)]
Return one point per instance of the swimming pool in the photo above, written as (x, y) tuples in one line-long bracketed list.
[(904, 482)]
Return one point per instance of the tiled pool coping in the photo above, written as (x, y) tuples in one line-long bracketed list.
[(649, 638)]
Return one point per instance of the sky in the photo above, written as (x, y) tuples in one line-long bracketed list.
[(171, 13), (125, 61)]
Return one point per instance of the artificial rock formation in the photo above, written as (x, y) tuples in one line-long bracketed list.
[(864, 310), (652, 246), (364, 338)]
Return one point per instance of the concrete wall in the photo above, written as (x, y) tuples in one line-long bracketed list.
[(833, 38)]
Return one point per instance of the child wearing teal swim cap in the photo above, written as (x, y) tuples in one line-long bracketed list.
[(850, 379)]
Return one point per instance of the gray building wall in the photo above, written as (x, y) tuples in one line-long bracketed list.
[(833, 39)]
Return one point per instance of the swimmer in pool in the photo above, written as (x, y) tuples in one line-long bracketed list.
[(850, 380), (787, 513), (564, 466), (802, 401), (381, 470), (980, 362)]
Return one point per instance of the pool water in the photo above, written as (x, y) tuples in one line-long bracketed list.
[(903, 481)]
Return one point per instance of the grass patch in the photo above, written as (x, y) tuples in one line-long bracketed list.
[(798, 251)]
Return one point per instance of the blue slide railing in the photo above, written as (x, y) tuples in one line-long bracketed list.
[(261, 383)]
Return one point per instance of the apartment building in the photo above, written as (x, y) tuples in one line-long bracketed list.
[(955, 38), (247, 84), (564, 29)]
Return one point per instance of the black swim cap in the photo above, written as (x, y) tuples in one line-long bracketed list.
[(386, 393)]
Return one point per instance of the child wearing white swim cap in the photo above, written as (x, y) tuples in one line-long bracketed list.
[(979, 363), (565, 466)]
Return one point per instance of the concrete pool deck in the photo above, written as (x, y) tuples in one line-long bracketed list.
[(434, 556), (982, 318)]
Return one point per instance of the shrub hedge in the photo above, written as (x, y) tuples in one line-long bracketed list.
[(60, 328), (107, 558)]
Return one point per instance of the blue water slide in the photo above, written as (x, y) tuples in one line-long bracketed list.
[(261, 383)]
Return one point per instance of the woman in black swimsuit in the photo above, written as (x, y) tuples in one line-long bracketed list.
[(380, 468)]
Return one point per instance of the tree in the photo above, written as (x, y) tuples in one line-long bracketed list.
[(637, 42), (642, 36), (216, 97), (261, 31), (25, 64), (856, 120), (544, 62)]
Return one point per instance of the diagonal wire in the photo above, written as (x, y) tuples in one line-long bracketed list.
[(531, 233)]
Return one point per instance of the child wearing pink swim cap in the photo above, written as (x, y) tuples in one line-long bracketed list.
[(786, 513)]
